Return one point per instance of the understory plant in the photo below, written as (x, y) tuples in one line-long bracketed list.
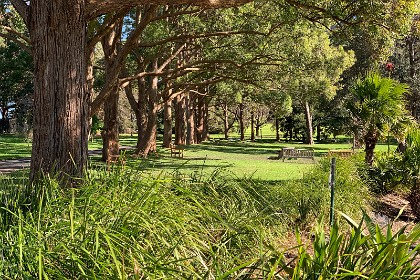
[(363, 253), (125, 224)]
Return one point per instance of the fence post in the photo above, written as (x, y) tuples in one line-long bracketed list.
[(331, 183)]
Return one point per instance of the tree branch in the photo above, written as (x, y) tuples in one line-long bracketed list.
[(22, 8), (96, 8), (15, 40)]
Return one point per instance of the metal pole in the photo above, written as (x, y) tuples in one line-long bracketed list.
[(332, 184)]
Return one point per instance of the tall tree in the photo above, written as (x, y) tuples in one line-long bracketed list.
[(378, 104), (314, 68)]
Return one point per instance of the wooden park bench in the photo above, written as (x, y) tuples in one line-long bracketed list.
[(116, 159), (295, 153), (340, 153), (176, 151)]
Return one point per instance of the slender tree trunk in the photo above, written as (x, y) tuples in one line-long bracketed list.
[(370, 139), (205, 134), (200, 119), (110, 134), (143, 110), (61, 113), (318, 132), (309, 131), (180, 120), (167, 123), (226, 121), (252, 127), (241, 121), (190, 114), (277, 130), (148, 141)]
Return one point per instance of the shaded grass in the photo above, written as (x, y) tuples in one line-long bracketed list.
[(241, 158)]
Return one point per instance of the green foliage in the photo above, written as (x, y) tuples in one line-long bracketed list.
[(122, 224), (378, 106), (379, 102), (357, 255), (387, 174)]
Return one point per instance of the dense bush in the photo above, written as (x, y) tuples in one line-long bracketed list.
[(387, 174), (126, 225)]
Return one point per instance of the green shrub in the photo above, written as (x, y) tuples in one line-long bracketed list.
[(358, 255)]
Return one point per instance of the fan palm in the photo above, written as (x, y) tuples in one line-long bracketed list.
[(379, 105)]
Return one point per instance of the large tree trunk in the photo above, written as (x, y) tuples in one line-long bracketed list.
[(167, 123), (148, 140), (60, 135), (309, 130), (370, 139), (202, 122)]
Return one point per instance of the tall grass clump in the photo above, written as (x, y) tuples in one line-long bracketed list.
[(124, 225), (369, 252), (309, 199)]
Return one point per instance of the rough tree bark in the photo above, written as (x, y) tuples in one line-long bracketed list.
[(309, 130), (148, 139), (60, 135), (370, 139), (110, 133)]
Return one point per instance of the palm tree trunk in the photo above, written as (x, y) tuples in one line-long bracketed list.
[(371, 138)]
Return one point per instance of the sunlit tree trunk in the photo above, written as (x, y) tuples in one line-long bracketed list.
[(110, 133), (148, 139), (61, 113), (309, 130)]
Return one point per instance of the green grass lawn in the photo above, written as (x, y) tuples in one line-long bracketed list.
[(240, 158), (14, 147)]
